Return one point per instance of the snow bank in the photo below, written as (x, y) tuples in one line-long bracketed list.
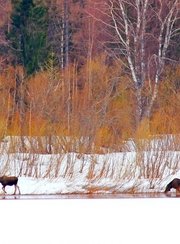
[(126, 171)]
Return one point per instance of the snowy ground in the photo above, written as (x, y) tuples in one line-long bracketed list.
[(68, 173), (141, 166), (126, 221)]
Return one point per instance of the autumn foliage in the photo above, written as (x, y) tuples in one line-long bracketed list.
[(91, 95), (95, 109)]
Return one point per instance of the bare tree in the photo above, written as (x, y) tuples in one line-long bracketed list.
[(143, 30), (59, 30)]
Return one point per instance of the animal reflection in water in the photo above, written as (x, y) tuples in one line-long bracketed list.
[(9, 181), (174, 184)]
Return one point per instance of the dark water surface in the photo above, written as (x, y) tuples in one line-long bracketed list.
[(88, 196)]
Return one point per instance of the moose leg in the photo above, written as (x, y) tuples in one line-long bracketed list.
[(15, 188), (18, 189), (3, 188)]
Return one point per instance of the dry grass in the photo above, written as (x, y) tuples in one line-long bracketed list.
[(157, 158), (153, 161)]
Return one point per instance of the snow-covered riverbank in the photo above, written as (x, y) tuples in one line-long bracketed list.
[(143, 166), (107, 173)]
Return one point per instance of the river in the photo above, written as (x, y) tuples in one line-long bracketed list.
[(88, 196)]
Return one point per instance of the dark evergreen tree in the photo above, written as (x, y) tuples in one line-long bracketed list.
[(28, 40), (28, 35)]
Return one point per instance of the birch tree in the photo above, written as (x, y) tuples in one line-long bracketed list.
[(59, 33), (143, 30)]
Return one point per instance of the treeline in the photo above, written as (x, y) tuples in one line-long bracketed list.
[(104, 70)]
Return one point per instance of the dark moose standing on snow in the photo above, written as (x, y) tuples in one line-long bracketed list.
[(175, 183), (9, 181)]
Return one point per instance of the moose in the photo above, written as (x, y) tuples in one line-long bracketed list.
[(9, 181), (175, 184)]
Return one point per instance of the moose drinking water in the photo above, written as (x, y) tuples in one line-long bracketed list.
[(174, 184), (9, 181)]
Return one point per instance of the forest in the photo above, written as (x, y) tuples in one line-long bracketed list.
[(103, 70)]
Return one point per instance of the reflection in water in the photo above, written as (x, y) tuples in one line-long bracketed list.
[(89, 196), (9, 197)]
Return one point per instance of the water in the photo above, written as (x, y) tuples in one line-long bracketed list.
[(88, 196)]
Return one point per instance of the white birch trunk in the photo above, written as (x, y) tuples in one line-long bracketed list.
[(132, 35)]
